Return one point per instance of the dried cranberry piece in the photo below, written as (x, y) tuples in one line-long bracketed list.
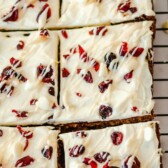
[(44, 33), (80, 134), (33, 101), (16, 63), (108, 58), (20, 46), (124, 49), (104, 85), (64, 34), (20, 77), (124, 7), (7, 73), (26, 134), (47, 152), (54, 106), (12, 16), (10, 91), (133, 9), (76, 151), (117, 138), (1, 133), (90, 162), (67, 56), (128, 76), (95, 64), (45, 7), (99, 31), (83, 54), (136, 52), (101, 157), (105, 111), (51, 91), (135, 163), (135, 109), (88, 77), (20, 114), (65, 73), (25, 161), (79, 94)]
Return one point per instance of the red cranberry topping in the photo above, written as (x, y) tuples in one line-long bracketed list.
[(83, 54), (117, 138), (10, 90), (1, 133), (12, 16), (73, 50), (33, 101), (133, 9), (99, 31), (95, 64), (64, 34), (101, 157), (20, 46), (108, 58), (47, 152), (88, 77), (51, 91), (90, 162), (105, 111), (81, 134), (16, 63), (46, 73), (76, 151), (135, 109), (79, 94), (104, 85), (124, 49), (45, 7), (44, 33), (26, 134), (20, 114), (78, 71), (67, 56), (134, 160), (7, 73), (128, 76), (54, 106), (25, 161), (65, 73), (136, 52), (124, 7)]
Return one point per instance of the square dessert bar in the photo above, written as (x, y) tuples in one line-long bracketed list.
[(28, 14), (126, 146), (105, 72), (76, 13), (28, 77), (33, 147)]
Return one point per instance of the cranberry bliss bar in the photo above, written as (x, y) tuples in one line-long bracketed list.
[(28, 77), (75, 13), (28, 14), (34, 147), (126, 146), (105, 72)]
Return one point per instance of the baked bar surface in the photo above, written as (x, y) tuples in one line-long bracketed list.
[(28, 77), (105, 73), (31, 147), (76, 13), (125, 146), (28, 14)]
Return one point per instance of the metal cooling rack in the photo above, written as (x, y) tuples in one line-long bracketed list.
[(161, 74)]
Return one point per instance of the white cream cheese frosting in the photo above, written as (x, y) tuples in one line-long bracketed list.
[(123, 146), (95, 12), (104, 72), (31, 147), (28, 77), (28, 14)]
